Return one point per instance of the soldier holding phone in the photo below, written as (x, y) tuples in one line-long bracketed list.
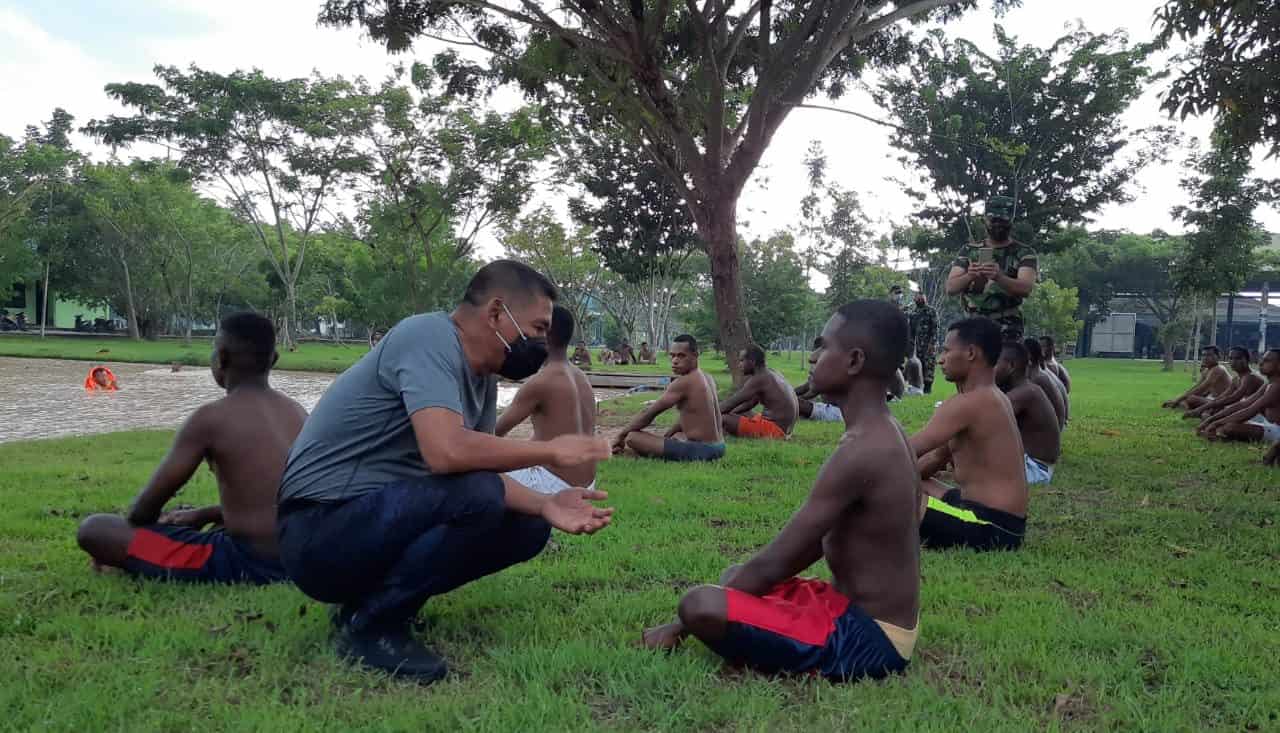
[(994, 276)]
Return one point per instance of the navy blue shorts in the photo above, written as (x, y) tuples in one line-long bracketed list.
[(806, 626), (170, 552), (691, 450)]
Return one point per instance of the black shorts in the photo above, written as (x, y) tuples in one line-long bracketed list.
[(955, 522)]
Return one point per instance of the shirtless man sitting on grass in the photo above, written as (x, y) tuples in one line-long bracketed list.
[(975, 430), (1214, 381), (560, 401), (764, 387), (1254, 419), (1037, 422), (697, 435), (1243, 386), (245, 438), (860, 517)]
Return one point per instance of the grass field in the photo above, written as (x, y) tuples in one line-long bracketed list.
[(310, 356), (1146, 598)]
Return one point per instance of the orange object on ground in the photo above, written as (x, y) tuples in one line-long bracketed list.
[(759, 426), (91, 384)]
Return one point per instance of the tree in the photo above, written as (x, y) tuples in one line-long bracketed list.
[(1051, 311), (1145, 268), (278, 149), (775, 290), (1232, 69), (540, 241), (701, 89), (1043, 126)]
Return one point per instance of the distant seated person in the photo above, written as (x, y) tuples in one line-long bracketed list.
[(559, 400), (809, 407), (1256, 419), (581, 355), (860, 516), (245, 439), (607, 356), (764, 387), (696, 435), (646, 354), (375, 336), (1053, 389), (625, 354), (897, 386), (914, 376), (1037, 422), (1244, 384), (1049, 351), (977, 432), (1214, 382), (7, 323), (100, 379)]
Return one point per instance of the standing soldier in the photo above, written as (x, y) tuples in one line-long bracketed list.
[(993, 277), (924, 335)]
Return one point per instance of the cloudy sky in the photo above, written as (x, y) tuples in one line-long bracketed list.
[(61, 54)]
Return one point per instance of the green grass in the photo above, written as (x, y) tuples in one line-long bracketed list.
[(1146, 598)]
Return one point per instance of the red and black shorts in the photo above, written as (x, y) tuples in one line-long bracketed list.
[(188, 555), (806, 626)]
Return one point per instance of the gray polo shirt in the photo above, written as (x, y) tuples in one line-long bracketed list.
[(359, 438)]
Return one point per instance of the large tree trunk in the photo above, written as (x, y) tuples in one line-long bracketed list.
[(1168, 356), (719, 232), (290, 313), (44, 307), (132, 308)]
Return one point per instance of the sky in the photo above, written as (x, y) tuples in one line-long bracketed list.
[(62, 54)]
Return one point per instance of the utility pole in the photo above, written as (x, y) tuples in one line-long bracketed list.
[(1262, 318), (1231, 315)]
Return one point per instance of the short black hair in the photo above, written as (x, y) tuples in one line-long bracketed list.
[(895, 288), (880, 330), (1052, 343), (1271, 350), (250, 339), (1248, 355), (509, 277), (561, 331), (1034, 352), (1211, 347), (685, 338), (755, 353), (1016, 352), (980, 332)]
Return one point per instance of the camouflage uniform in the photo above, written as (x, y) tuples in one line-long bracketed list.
[(924, 337), (991, 301)]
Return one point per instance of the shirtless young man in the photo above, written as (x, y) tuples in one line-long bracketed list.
[(1037, 422), (560, 400), (245, 438), (581, 355), (764, 387), (1053, 388), (1214, 382), (860, 516), (1244, 385), (697, 435), (646, 354), (978, 432), (1049, 350), (1254, 419)]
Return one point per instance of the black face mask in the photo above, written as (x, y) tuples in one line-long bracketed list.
[(999, 229), (524, 357)]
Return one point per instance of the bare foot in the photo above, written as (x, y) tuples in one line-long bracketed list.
[(665, 637), (102, 569)]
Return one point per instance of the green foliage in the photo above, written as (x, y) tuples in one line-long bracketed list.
[(1041, 125), (1051, 311), (775, 290), (568, 260)]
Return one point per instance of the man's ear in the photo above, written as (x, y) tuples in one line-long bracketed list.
[(857, 362)]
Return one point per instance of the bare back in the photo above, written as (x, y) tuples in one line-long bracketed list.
[(251, 431), (699, 407), (874, 549), (1047, 383), (1037, 422), (988, 453), (566, 406), (778, 400)]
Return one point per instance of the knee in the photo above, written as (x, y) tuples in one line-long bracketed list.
[(632, 442), (104, 536), (702, 608), (729, 572), (528, 536)]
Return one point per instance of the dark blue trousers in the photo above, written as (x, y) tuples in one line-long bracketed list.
[(383, 554)]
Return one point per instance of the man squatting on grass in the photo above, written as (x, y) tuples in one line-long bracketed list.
[(861, 516), (1254, 419), (560, 401), (764, 387), (245, 437), (977, 432), (394, 493), (697, 435), (1037, 422)]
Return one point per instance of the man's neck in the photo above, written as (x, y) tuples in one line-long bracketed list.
[(249, 381), (998, 244), (1246, 370), (977, 378), (864, 399)]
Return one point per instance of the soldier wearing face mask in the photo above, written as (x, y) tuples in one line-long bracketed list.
[(995, 276), (396, 489)]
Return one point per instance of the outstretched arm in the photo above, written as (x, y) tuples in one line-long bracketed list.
[(185, 455), (1269, 397), (1225, 400), (524, 404), (746, 397), (947, 422), (669, 399), (1197, 390)]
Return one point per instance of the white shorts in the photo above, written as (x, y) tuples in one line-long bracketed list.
[(823, 412), (1037, 472), (1270, 431), (542, 481)]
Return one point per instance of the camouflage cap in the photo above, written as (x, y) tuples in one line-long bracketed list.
[(1000, 207)]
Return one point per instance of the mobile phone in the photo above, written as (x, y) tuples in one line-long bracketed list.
[(985, 255)]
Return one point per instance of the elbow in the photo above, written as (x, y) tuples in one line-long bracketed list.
[(443, 458)]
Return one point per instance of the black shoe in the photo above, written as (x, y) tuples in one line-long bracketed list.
[(394, 652)]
